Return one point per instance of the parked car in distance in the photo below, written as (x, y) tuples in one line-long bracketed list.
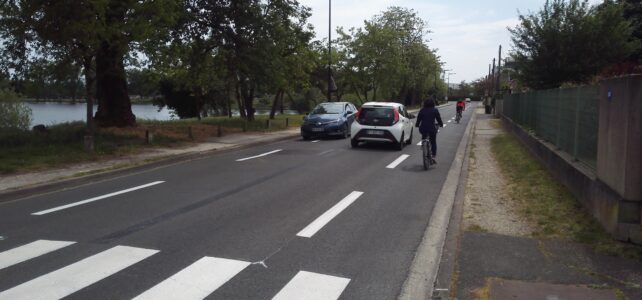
[(468, 100), (382, 122), (329, 119)]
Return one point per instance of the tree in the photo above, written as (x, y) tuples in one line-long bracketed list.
[(94, 34), (389, 58), (569, 42), (240, 48)]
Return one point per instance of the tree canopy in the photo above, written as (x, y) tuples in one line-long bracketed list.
[(570, 41)]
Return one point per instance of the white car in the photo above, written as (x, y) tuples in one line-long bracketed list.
[(382, 122)]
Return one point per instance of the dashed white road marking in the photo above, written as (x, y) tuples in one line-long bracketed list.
[(397, 161), (28, 251), (449, 121), (326, 217), (260, 155), (196, 281), (46, 211), (419, 144), (313, 286), (72, 278), (315, 141)]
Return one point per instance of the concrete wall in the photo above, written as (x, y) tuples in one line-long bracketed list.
[(619, 152), (613, 192)]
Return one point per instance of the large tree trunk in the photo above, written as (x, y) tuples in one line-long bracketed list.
[(90, 79), (240, 103), (114, 105), (247, 93), (275, 103)]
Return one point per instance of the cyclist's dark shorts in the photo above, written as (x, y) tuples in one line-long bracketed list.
[(459, 108)]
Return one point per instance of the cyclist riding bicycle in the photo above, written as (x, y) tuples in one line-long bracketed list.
[(426, 124), (461, 104)]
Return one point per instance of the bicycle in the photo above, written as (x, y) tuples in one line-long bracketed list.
[(427, 153), (458, 117)]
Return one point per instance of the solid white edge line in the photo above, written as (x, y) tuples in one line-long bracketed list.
[(397, 161), (46, 211), (330, 214), (28, 251), (260, 155), (196, 281), (313, 286), (72, 278)]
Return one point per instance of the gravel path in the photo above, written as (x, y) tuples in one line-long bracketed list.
[(487, 205)]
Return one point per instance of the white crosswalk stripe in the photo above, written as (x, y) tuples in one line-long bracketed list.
[(32, 250), (313, 286), (196, 281), (68, 280)]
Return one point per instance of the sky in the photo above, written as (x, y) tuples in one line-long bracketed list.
[(466, 33)]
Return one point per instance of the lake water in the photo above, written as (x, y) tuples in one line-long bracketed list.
[(49, 113)]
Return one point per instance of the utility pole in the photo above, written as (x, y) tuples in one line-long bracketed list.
[(492, 86), (499, 70), (329, 50), (488, 82)]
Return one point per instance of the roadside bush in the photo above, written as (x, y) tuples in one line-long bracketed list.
[(13, 114)]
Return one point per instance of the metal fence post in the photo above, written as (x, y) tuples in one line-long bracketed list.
[(576, 135)]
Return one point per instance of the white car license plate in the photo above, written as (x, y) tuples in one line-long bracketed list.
[(375, 132), (317, 129)]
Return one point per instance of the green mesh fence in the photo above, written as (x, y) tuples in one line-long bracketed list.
[(567, 118)]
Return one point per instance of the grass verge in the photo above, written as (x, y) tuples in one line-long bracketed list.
[(62, 144), (547, 204)]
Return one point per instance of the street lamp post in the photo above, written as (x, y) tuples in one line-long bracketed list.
[(448, 85), (329, 50)]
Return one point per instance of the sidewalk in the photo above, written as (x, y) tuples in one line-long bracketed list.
[(75, 171), (497, 258)]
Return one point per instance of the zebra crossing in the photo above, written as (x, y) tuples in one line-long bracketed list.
[(195, 281)]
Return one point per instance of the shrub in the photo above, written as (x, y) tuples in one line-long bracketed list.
[(13, 114)]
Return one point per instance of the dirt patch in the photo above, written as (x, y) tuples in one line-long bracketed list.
[(487, 205)]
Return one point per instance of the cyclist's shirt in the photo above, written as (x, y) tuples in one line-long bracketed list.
[(461, 103)]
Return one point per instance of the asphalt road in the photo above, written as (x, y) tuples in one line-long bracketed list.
[(289, 220)]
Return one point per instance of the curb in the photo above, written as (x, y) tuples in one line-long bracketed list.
[(450, 252), (422, 276), (27, 191)]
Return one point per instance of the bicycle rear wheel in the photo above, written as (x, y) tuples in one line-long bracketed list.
[(426, 154)]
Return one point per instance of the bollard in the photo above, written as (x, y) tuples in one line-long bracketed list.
[(244, 126), (190, 135), (267, 124), (219, 132), (287, 122), (89, 143), (149, 137)]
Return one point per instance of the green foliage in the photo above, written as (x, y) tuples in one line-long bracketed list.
[(570, 42), (390, 58), (14, 115), (632, 12)]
